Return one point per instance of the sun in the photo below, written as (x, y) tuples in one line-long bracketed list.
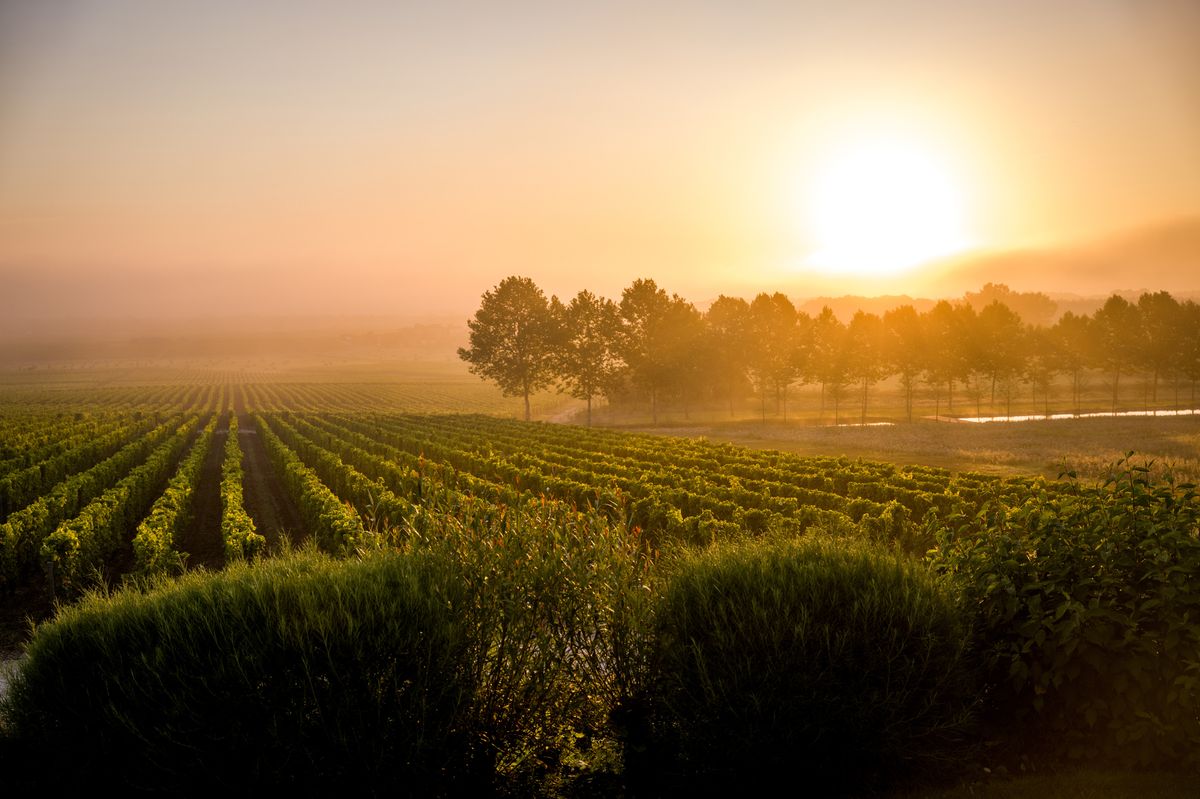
[(882, 207)]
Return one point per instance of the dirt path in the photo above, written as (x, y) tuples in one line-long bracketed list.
[(201, 539), (30, 601), (267, 503)]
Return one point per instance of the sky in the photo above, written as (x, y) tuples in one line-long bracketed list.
[(383, 157)]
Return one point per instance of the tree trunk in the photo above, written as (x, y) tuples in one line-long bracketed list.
[(589, 410), (527, 414), (862, 419)]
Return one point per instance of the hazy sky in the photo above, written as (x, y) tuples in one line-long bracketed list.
[(298, 156)]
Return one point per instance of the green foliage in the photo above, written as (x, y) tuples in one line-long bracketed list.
[(483, 657), (155, 540), (301, 672), (1086, 612), (810, 662), (556, 602), (86, 543), (23, 534), (512, 339), (237, 528), (336, 527)]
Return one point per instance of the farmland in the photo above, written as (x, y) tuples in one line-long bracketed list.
[(140, 478)]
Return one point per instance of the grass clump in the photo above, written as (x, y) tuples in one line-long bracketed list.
[(301, 671), (811, 662), (483, 657)]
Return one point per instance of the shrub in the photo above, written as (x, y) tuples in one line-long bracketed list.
[(1086, 607), (825, 664), (483, 657), (556, 602), (302, 672)]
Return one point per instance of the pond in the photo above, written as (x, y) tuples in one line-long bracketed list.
[(1088, 415)]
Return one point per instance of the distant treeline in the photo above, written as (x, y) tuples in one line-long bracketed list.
[(657, 347)]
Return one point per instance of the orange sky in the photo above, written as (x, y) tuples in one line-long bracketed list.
[(371, 157)]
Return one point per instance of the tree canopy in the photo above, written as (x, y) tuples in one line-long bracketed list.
[(512, 339), (657, 348)]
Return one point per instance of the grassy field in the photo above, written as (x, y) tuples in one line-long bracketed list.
[(1047, 448)]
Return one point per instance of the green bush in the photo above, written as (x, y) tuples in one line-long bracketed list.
[(1086, 610), (486, 656), (820, 663), (556, 602), (302, 672)]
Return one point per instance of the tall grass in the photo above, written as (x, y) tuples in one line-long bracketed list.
[(481, 657), (809, 663), (300, 671)]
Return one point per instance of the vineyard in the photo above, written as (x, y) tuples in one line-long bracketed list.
[(110, 490), (555, 538)]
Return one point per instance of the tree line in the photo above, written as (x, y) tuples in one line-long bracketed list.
[(659, 348)]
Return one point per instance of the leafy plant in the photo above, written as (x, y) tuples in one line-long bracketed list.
[(1086, 616)]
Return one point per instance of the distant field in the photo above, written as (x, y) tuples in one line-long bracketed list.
[(1046, 448), (414, 387)]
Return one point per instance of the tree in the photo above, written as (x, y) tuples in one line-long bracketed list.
[(1034, 307), (586, 358), (513, 339), (645, 338), (948, 335), (1043, 362), (1000, 344), (774, 346), (728, 325), (1074, 346), (1163, 342), (1189, 364), (865, 350), (828, 363), (905, 349), (1118, 330)]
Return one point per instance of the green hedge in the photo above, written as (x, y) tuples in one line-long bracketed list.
[(814, 663), (304, 672)]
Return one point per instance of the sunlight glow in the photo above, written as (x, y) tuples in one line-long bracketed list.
[(881, 207)]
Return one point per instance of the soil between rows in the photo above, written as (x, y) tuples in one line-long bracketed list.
[(275, 516), (201, 538)]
